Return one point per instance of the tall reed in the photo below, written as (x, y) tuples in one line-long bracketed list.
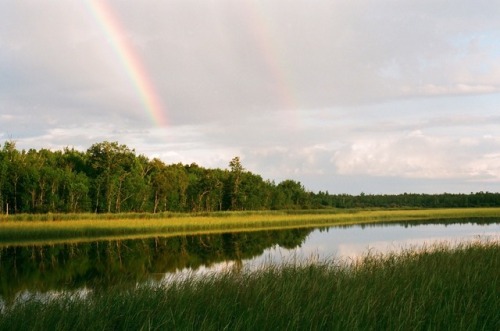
[(437, 288)]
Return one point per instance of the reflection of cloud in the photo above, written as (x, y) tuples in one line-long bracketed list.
[(355, 242), (357, 251), (188, 273), (48, 296)]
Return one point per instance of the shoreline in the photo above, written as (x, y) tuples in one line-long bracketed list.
[(15, 232)]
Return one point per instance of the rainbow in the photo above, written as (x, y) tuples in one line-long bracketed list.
[(275, 62), (129, 59)]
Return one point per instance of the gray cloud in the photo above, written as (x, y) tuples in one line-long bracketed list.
[(334, 92)]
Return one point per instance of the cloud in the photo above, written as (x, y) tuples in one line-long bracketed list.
[(214, 59), (325, 92), (486, 168), (458, 89), (416, 155)]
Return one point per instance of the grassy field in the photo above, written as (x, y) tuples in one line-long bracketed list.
[(53, 228), (438, 288)]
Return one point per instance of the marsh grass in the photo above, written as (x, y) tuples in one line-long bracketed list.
[(435, 288), (54, 228)]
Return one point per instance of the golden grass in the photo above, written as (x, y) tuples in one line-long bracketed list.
[(28, 232)]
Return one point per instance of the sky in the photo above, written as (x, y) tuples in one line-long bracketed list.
[(378, 97)]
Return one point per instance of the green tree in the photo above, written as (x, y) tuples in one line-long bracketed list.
[(111, 164), (293, 195), (236, 172)]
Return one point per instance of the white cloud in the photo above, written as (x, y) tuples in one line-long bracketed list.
[(486, 168), (323, 90), (417, 155), (432, 89)]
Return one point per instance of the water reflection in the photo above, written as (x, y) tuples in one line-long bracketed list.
[(352, 242), (94, 266), (101, 264)]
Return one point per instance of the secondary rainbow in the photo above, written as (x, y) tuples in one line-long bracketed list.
[(130, 60), (274, 60)]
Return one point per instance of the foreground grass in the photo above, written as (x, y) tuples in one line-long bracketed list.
[(57, 228), (432, 289)]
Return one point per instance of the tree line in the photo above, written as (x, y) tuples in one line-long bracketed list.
[(111, 178), (408, 200)]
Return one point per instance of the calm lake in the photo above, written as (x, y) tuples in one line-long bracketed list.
[(97, 265)]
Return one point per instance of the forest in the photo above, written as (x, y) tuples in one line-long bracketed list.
[(111, 178)]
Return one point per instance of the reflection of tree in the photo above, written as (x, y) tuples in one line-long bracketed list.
[(101, 264), (444, 221)]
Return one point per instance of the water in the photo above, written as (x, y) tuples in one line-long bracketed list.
[(50, 269), (353, 242)]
